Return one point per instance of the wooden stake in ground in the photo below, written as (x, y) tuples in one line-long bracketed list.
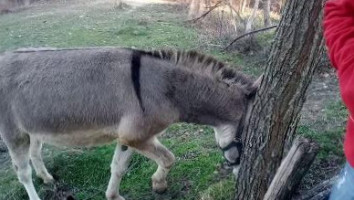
[(293, 58), (292, 169)]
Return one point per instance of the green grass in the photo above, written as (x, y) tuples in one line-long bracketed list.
[(94, 27), (330, 139), (222, 190)]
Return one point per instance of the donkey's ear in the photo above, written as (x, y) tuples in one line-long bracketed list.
[(255, 86)]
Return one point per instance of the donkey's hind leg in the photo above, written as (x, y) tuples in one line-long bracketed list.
[(19, 145), (154, 150), (37, 161), (120, 162)]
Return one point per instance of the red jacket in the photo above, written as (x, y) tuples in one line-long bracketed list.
[(339, 34)]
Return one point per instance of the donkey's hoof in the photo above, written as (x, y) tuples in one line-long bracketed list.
[(48, 179), (159, 187)]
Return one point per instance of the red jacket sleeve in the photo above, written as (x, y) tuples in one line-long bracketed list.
[(339, 31), (339, 34)]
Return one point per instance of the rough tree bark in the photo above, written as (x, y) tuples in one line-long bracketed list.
[(252, 16), (266, 12), (294, 55)]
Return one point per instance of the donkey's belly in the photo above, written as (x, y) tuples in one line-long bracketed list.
[(80, 138)]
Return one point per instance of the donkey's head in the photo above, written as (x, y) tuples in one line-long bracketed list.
[(229, 136), (228, 109)]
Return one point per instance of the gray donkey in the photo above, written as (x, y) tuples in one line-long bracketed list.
[(92, 96)]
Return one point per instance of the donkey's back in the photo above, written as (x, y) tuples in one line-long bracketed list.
[(64, 91), (78, 97)]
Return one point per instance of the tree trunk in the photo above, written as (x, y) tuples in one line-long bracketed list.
[(292, 169), (117, 4), (194, 9), (252, 16), (243, 5), (235, 4), (295, 53), (266, 12)]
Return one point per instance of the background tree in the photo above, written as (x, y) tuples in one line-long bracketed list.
[(194, 9), (266, 12), (118, 4), (243, 6), (281, 3), (252, 16), (294, 56), (235, 4)]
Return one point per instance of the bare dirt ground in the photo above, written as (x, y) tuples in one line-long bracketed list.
[(322, 91)]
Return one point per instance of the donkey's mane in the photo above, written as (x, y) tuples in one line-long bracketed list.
[(203, 64)]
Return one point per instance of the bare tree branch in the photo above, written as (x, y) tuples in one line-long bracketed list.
[(249, 33), (206, 13)]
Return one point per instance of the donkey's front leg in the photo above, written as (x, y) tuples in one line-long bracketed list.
[(154, 150), (120, 163)]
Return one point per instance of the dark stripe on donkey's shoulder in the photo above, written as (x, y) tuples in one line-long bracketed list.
[(135, 75)]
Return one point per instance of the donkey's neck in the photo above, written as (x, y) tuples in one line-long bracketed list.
[(202, 100)]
